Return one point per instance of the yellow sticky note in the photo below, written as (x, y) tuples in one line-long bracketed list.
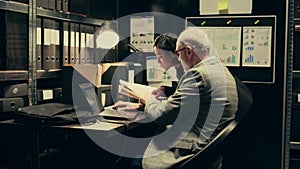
[(222, 5)]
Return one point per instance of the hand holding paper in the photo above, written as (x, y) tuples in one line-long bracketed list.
[(134, 90)]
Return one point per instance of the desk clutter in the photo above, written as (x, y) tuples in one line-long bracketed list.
[(46, 114)]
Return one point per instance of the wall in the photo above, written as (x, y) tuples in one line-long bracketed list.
[(259, 140)]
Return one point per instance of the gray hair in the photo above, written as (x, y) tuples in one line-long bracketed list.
[(198, 40)]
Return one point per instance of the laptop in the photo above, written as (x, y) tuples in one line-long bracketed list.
[(97, 108)]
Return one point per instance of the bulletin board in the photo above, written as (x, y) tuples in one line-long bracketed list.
[(245, 44)]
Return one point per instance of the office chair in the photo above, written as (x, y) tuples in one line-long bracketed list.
[(210, 157)]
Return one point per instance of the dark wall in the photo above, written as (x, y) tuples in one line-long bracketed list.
[(259, 137)]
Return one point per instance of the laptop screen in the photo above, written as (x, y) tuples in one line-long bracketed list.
[(96, 106), (91, 97)]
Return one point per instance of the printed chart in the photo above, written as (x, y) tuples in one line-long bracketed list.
[(227, 42), (156, 73), (257, 46)]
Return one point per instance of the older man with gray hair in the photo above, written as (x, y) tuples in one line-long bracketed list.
[(205, 101)]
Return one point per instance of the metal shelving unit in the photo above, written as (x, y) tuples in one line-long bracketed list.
[(288, 84), (32, 80), (32, 75)]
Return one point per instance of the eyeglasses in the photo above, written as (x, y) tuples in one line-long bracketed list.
[(177, 51)]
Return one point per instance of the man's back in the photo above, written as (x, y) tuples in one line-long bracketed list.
[(205, 100)]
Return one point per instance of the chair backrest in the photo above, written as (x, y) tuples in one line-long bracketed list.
[(210, 157), (245, 100)]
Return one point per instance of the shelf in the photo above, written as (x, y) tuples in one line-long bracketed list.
[(23, 74), (295, 145), (14, 6), (54, 73), (68, 17), (296, 73), (297, 24), (13, 75)]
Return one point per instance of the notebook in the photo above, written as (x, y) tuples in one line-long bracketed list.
[(97, 108)]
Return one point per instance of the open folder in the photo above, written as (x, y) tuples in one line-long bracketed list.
[(135, 90)]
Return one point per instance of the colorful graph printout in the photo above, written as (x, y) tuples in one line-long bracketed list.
[(156, 74), (227, 42), (257, 46)]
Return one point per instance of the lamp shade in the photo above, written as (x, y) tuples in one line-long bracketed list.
[(107, 39)]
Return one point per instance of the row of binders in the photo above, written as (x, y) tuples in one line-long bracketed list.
[(60, 43), (49, 38), (73, 41)]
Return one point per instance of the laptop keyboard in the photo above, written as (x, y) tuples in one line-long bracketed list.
[(110, 113)]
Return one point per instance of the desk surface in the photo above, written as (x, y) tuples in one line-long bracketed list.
[(106, 125)]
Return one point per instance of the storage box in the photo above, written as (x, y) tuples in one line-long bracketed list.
[(75, 74)]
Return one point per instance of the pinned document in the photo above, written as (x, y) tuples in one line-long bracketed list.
[(208, 7), (239, 7)]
